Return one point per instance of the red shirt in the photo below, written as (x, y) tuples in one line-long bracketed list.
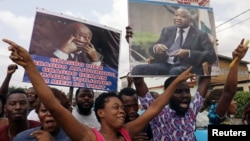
[(4, 130)]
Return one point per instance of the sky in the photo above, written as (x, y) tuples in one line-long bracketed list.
[(17, 17)]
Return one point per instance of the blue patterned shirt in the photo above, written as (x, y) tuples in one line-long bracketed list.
[(167, 126), (214, 118)]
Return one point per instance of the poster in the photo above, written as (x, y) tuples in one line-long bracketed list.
[(156, 28), (73, 52), (187, 2)]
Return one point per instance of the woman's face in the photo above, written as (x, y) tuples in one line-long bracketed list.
[(113, 112), (47, 121), (232, 107)]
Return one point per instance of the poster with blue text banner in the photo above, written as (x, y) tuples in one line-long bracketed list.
[(187, 2), (73, 52), (170, 37)]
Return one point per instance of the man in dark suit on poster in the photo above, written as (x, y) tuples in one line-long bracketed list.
[(179, 47)]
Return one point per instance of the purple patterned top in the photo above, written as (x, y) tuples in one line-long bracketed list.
[(167, 126)]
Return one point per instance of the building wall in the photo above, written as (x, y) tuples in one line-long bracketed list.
[(243, 73)]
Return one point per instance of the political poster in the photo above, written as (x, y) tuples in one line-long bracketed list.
[(170, 37), (74, 52), (187, 2)]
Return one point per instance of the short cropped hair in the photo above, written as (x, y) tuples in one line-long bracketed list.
[(15, 91), (91, 90), (127, 91), (101, 100), (169, 81)]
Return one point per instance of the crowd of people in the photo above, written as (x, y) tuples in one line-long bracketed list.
[(44, 113), (113, 116), (108, 108)]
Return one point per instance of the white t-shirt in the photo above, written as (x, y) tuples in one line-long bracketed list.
[(33, 116), (89, 120)]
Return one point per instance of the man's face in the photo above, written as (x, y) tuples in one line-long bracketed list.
[(131, 107), (85, 101), (83, 34), (31, 94), (83, 37), (16, 107), (182, 18), (181, 98)]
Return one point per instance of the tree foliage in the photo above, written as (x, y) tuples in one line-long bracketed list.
[(242, 98)]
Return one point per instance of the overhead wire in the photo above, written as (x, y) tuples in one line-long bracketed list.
[(233, 25), (233, 18)]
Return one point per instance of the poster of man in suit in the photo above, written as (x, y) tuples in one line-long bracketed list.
[(168, 38), (188, 2), (74, 52)]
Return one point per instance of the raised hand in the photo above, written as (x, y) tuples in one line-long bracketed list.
[(240, 51), (69, 46), (186, 74), (12, 68), (18, 54)]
